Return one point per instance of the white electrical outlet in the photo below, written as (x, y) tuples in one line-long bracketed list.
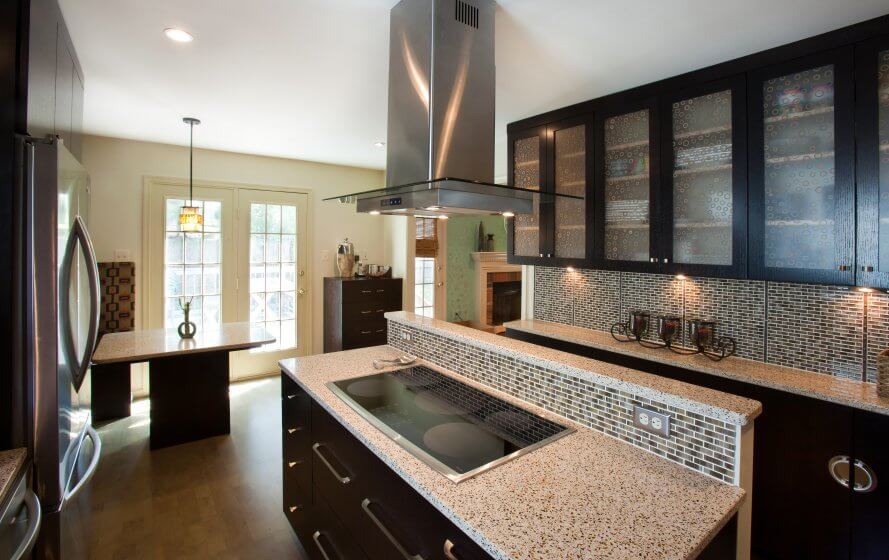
[(651, 421), (405, 336)]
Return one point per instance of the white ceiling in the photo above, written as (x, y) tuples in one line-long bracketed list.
[(307, 79)]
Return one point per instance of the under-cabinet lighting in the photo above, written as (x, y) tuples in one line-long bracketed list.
[(570, 269), (374, 212), (681, 277), (507, 214), (178, 35)]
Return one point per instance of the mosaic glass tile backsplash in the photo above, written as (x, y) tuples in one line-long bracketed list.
[(823, 329)]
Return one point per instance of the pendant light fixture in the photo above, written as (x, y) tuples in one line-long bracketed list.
[(190, 218)]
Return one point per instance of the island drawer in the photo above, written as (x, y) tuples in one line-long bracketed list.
[(387, 517), (295, 435), (323, 535)]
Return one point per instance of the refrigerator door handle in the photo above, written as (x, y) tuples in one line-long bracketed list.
[(90, 471), (34, 518), (79, 235)]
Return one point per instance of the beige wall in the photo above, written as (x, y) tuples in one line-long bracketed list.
[(117, 168)]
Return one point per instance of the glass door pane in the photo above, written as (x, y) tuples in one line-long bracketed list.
[(627, 187), (883, 118), (799, 181), (193, 266), (570, 178), (702, 180), (527, 171)]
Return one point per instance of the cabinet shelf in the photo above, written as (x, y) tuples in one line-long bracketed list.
[(702, 132), (529, 163), (626, 178), (702, 225), (799, 223), (627, 225), (799, 158), (627, 146), (708, 169), (884, 146), (799, 115)]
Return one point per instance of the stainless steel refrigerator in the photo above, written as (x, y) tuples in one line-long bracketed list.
[(60, 290)]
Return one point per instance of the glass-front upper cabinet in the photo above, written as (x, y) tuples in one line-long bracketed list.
[(527, 171), (705, 192), (872, 126), (626, 186), (801, 171), (552, 159), (569, 156)]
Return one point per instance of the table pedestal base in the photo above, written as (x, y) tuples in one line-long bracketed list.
[(110, 397)]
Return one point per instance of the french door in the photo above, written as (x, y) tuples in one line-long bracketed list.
[(272, 282), (247, 264)]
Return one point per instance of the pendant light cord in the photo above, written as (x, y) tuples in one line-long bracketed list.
[(191, 164)]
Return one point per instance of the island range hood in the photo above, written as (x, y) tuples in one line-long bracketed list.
[(440, 138)]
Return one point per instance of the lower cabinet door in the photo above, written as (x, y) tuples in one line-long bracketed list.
[(324, 537), (870, 494)]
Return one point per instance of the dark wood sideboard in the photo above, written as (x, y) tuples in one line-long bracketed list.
[(354, 310)]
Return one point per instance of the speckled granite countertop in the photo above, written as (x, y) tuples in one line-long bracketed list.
[(139, 346), (735, 410), (10, 463), (838, 390), (585, 495)]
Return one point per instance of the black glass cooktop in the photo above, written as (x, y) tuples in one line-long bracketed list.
[(453, 427)]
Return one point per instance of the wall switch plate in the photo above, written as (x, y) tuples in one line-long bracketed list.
[(651, 421)]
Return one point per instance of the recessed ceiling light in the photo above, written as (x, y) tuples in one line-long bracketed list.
[(379, 144), (178, 35)]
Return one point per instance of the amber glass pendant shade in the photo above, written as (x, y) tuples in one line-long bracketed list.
[(190, 219)]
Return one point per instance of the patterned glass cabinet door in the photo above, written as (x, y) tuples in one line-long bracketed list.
[(528, 169), (802, 189), (627, 177), (872, 126), (705, 191), (569, 164)]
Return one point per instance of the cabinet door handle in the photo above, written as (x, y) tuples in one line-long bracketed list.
[(449, 550), (380, 310), (843, 267), (865, 477), (366, 312), (866, 268), (839, 469), (292, 464), (381, 330), (381, 290), (366, 291), (292, 430), (294, 508), (289, 397), (343, 479), (316, 536), (365, 505), (541, 255), (666, 261), (366, 332)]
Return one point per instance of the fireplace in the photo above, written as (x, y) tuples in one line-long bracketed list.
[(507, 302)]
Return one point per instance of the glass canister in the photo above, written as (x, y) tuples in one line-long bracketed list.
[(639, 323)]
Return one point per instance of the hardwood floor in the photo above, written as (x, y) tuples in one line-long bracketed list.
[(215, 498)]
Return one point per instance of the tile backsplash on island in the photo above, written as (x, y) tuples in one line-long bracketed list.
[(824, 329)]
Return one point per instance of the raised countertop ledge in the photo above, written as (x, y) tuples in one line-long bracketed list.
[(585, 495), (139, 346), (732, 409), (856, 394), (10, 463)]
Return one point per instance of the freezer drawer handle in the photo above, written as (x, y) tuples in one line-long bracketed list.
[(91, 470), (80, 235), (365, 505), (33, 505), (343, 479)]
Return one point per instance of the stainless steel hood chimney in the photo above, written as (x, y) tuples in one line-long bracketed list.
[(440, 138)]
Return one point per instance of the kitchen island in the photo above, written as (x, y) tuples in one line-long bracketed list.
[(585, 495), (188, 378)]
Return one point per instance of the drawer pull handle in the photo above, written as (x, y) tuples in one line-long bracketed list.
[(291, 397), (365, 505), (294, 508), (380, 291), (366, 291), (317, 538), (291, 464), (343, 479), (449, 550), (366, 312), (366, 332), (381, 330), (292, 430), (380, 310)]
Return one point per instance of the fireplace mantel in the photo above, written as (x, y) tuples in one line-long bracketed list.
[(485, 264)]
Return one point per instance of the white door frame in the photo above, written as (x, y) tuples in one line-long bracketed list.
[(151, 183)]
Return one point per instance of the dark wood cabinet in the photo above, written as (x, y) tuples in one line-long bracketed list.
[(354, 311), (55, 78), (556, 158), (802, 174), (870, 487), (351, 504), (804, 197), (872, 163)]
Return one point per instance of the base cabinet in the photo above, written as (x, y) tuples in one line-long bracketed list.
[(800, 511), (344, 503)]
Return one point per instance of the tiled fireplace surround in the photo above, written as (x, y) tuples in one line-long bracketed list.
[(825, 329)]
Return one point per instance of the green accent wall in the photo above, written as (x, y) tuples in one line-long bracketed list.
[(462, 242)]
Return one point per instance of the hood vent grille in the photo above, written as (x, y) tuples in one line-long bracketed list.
[(466, 14)]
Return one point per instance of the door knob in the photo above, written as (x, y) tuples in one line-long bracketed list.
[(302, 272), (301, 291)]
